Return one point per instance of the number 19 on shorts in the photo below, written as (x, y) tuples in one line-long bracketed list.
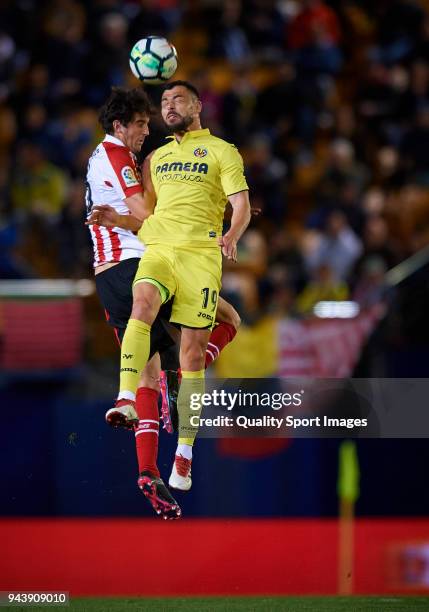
[(209, 299), (209, 303)]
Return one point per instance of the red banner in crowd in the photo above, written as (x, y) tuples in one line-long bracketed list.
[(40, 334), (324, 348)]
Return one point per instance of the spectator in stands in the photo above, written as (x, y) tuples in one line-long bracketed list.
[(266, 176), (34, 89), (7, 53), (415, 146), (388, 172), (419, 85), (75, 249), (11, 264), (324, 285), (377, 246), (342, 170), (373, 202), (212, 102), (238, 105), (313, 20), (148, 20), (286, 254), (62, 47), (8, 131), (278, 296), (38, 187), (34, 125), (314, 36), (338, 248), (227, 38), (281, 99), (398, 24), (240, 280), (380, 103), (369, 289), (264, 24), (67, 135), (109, 57)]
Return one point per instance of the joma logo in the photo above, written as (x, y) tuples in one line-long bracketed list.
[(204, 315)]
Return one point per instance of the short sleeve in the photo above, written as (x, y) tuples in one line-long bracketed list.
[(232, 171), (124, 170)]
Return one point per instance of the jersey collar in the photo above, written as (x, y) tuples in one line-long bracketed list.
[(192, 134), (113, 140)]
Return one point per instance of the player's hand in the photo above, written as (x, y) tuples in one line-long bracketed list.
[(228, 242), (104, 215), (255, 211)]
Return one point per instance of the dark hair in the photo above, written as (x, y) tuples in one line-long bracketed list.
[(122, 105), (186, 84)]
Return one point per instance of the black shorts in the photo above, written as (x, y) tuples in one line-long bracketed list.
[(115, 290)]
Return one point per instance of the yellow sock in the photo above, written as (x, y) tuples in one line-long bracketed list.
[(191, 388), (134, 354)]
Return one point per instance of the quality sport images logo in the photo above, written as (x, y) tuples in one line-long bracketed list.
[(199, 152)]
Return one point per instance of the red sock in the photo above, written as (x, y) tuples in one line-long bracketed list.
[(219, 338), (147, 431)]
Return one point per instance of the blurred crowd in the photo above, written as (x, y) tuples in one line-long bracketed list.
[(327, 101)]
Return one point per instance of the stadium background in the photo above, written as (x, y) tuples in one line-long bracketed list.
[(329, 104)]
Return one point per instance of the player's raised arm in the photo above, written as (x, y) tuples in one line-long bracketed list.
[(235, 187), (240, 219)]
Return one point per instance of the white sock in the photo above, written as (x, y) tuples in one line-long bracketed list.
[(185, 450), (128, 395)]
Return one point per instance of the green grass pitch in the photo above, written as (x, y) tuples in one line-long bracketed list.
[(242, 604)]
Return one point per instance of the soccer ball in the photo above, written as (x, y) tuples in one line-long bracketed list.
[(153, 60)]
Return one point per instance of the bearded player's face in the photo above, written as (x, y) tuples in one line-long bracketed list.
[(179, 108)]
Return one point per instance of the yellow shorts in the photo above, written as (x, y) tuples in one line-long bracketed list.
[(191, 274)]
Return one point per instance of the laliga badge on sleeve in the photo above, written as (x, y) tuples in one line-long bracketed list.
[(129, 176)]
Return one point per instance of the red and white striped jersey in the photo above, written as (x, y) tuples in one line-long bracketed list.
[(112, 176)]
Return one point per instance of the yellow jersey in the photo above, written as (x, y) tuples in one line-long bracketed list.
[(192, 180)]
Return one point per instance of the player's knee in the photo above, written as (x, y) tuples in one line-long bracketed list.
[(235, 319), (227, 314), (144, 309), (146, 302)]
